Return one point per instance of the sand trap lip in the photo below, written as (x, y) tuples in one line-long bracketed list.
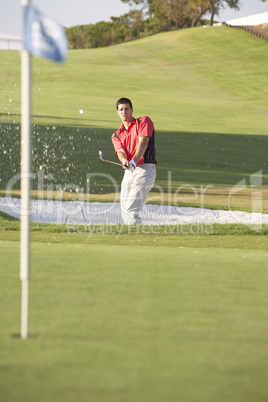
[(97, 213)]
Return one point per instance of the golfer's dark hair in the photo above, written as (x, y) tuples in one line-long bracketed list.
[(123, 101)]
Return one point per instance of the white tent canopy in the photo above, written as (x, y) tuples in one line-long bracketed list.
[(10, 42), (254, 19)]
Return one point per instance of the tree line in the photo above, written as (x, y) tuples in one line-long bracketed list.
[(148, 18)]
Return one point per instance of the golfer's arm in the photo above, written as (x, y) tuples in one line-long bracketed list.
[(141, 148), (122, 156)]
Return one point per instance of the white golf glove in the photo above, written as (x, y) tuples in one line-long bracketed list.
[(132, 165)]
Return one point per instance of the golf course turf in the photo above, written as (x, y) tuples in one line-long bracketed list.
[(156, 313)]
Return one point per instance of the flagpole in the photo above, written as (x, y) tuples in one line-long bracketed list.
[(25, 241)]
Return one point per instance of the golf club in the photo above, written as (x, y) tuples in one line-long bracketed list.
[(104, 160)]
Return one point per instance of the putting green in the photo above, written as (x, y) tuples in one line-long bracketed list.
[(136, 323)]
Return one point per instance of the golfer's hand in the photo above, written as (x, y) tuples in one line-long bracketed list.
[(132, 165), (125, 163)]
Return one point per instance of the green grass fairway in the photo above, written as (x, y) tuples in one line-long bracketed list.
[(122, 323)]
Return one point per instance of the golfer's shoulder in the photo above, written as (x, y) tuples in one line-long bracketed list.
[(116, 135), (144, 120)]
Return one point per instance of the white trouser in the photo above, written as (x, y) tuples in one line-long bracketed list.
[(135, 187)]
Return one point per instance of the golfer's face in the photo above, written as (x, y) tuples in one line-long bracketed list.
[(124, 111)]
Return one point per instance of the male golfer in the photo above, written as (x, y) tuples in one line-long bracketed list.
[(134, 144)]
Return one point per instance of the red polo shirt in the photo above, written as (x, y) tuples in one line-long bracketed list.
[(128, 139)]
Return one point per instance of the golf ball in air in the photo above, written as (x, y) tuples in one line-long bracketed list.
[(81, 111)]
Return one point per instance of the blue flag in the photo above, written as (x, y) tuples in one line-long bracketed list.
[(43, 37)]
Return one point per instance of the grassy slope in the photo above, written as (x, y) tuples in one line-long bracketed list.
[(202, 80)]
